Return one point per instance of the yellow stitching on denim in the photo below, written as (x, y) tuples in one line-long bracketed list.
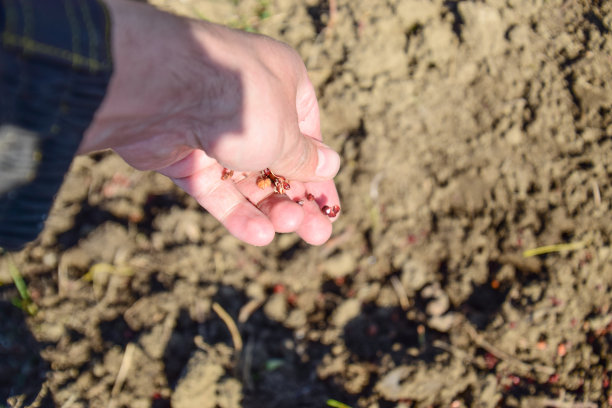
[(74, 28), (92, 33), (107, 33), (28, 19), (10, 21), (30, 45)]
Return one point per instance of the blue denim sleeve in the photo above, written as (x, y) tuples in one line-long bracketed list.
[(55, 66)]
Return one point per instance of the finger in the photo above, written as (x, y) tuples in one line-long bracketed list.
[(284, 213), (316, 228), (323, 194), (307, 108), (224, 202), (304, 156), (306, 159)]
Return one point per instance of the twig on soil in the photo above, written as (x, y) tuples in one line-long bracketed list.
[(104, 268), (502, 355), (333, 13), (453, 350), (69, 401), (554, 248), (247, 310), (231, 326), (596, 194), (400, 292), (201, 344), (124, 368), (375, 184)]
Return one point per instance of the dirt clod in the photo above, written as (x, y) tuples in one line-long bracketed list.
[(470, 132)]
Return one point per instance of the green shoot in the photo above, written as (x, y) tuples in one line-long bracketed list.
[(106, 268), (274, 364), (24, 302), (263, 9), (554, 248), (336, 404)]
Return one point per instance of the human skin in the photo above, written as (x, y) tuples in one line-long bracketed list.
[(188, 98)]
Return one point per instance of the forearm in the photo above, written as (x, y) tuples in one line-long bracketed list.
[(137, 59), (152, 53)]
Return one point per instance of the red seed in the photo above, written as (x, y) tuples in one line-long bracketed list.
[(490, 360), (516, 380), (263, 182), (561, 349), (310, 197), (226, 173), (330, 211)]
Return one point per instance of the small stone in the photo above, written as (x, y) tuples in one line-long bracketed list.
[(514, 136), (50, 259), (197, 388), (348, 310), (439, 302), (296, 319), (276, 307), (414, 275), (340, 265), (442, 323)]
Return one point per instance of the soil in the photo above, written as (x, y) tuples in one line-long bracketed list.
[(470, 132)]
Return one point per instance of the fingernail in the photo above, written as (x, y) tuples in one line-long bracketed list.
[(328, 164)]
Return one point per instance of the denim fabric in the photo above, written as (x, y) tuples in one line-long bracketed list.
[(55, 66)]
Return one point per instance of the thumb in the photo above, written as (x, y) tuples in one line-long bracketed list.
[(307, 159)]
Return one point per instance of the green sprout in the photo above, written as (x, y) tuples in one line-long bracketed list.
[(24, 302), (274, 364), (263, 9), (555, 248), (336, 404)]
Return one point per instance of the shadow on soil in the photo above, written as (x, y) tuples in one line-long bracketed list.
[(22, 369), (277, 366)]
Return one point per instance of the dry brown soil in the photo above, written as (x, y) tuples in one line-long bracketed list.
[(470, 132)]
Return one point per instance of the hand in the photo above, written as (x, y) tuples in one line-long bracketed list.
[(188, 98)]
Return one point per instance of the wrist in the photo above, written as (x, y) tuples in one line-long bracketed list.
[(143, 42)]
